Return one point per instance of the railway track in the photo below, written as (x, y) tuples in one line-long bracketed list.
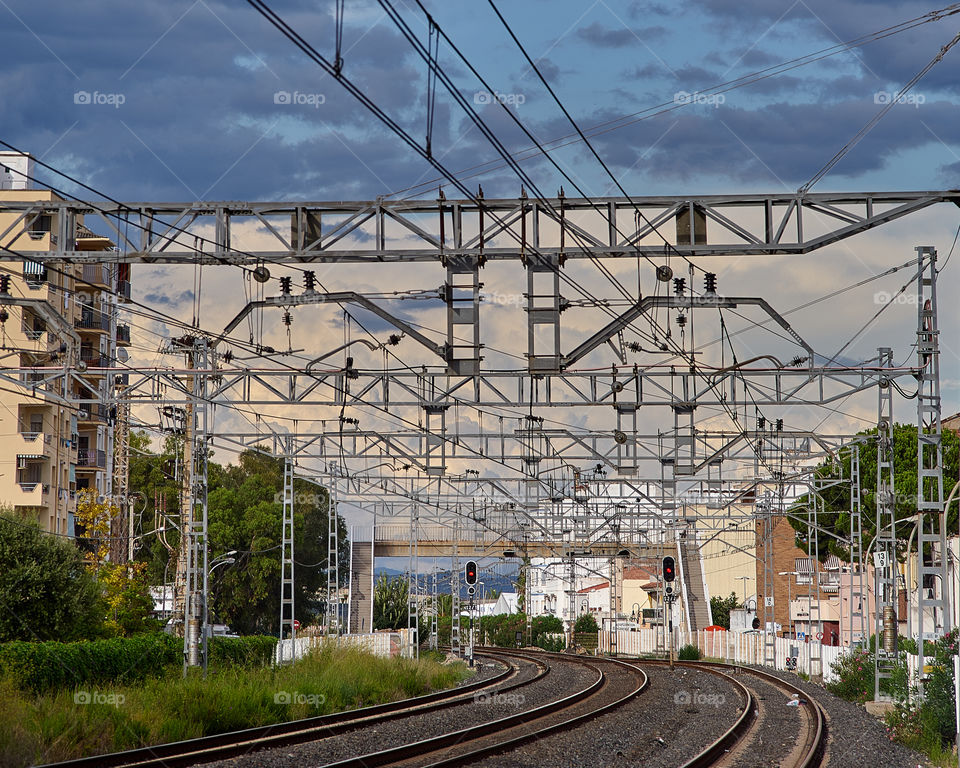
[(226, 745), (468, 745), (603, 685), (732, 747)]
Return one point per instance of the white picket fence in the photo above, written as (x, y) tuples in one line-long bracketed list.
[(732, 647), (393, 643)]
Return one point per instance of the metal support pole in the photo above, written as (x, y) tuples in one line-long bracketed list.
[(885, 555), (455, 591), (932, 574), (413, 585), (286, 554), (195, 522), (333, 563)]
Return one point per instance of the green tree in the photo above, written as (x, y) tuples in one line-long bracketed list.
[(46, 590), (720, 608), (390, 602), (836, 515), (245, 514)]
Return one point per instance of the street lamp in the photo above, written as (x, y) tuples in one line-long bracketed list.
[(744, 579), (789, 610), (227, 558)]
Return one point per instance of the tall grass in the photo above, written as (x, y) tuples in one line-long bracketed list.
[(59, 725)]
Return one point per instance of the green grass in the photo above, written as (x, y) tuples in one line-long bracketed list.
[(53, 726)]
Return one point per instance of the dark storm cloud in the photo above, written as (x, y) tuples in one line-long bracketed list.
[(168, 298), (780, 144), (604, 37)]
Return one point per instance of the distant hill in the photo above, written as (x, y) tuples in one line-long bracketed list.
[(491, 581)]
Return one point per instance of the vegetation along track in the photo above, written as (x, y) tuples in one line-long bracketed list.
[(226, 745), (742, 745)]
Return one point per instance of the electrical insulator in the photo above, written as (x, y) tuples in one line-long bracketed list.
[(761, 422), (5, 284), (309, 280), (710, 282), (287, 319), (669, 569), (681, 320), (634, 346), (679, 285), (779, 425), (285, 285), (4, 316)]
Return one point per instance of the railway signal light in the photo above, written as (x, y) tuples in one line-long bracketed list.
[(470, 572), (669, 569)]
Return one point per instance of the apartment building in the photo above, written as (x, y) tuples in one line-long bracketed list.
[(49, 450)]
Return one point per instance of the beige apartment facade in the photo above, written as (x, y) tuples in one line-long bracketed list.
[(51, 450)]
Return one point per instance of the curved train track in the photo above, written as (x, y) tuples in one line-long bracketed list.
[(807, 753), (232, 743), (611, 684)]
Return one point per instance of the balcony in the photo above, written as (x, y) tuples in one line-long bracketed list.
[(34, 273), (123, 335), (123, 291), (91, 320), (97, 274), (33, 494), (91, 413), (91, 459), (94, 358), (34, 443)]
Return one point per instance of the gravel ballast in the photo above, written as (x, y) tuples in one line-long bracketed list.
[(564, 679), (655, 729)]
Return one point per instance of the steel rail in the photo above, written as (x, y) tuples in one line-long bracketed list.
[(479, 753), (816, 737), (426, 746), (232, 743)]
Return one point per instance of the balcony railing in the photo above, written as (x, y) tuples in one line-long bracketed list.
[(92, 320), (91, 412), (91, 458), (123, 291), (94, 358), (97, 274)]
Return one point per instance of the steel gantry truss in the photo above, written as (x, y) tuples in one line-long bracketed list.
[(428, 230), (610, 484)]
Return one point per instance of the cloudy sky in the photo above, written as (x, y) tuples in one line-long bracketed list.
[(204, 100)]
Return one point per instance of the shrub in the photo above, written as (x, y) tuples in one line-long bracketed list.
[(586, 623), (855, 676), (253, 650), (51, 665), (688, 653)]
